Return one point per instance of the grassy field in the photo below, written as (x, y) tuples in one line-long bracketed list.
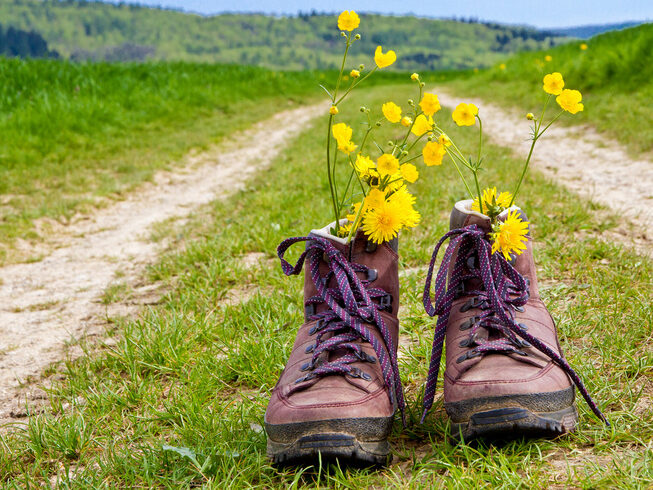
[(614, 74), (178, 401)]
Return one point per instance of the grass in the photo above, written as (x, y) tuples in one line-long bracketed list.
[(614, 75), (179, 400)]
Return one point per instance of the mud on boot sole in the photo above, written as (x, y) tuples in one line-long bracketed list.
[(340, 439)]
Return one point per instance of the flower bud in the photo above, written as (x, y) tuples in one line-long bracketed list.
[(414, 77), (361, 67), (411, 102), (406, 121), (342, 34), (333, 110), (421, 84), (530, 116), (354, 74), (404, 153), (362, 108), (357, 36), (378, 124), (391, 143)]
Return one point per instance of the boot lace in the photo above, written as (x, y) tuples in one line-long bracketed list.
[(351, 314), (501, 291)]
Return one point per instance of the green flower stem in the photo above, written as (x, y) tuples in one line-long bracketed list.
[(458, 170), (478, 162), (356, 84), (331, 186)]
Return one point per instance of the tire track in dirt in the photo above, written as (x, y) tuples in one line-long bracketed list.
[(47, 303), (583, 161)]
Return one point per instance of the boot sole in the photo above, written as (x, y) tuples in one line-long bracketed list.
[(361, 441), (514, 416)]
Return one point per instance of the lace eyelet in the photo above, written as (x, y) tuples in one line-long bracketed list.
[(309, 348), (372, 275)]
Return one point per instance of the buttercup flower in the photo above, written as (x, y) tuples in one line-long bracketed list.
[(409, 172), (444, 140), (548, 57), (430, 104), (347, 147), (553, 83), (374, 199), (383, 223), (364, 166), (387, 164), (414, 77), (348, 21), (422, 125), (384, 59), (569, 100), (342, 133), (489, 195), (391, 111), (509, 236), (530, 116), (583, 46), (354, 74), (406, 121), (333, 110), (502, 66), (433, 153), (464, 114)]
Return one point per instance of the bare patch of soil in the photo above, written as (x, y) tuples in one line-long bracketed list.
[(46, 304)]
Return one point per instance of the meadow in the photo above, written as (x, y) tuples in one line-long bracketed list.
[(614, 74), (177, 398)]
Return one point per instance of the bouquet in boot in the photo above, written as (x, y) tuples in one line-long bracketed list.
[(505, 373), (341, 386)]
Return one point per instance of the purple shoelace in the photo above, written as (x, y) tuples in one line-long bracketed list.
[(502, 290), (351, 308)]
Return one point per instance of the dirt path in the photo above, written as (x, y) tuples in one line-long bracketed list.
[(583, 161), (44, 304)]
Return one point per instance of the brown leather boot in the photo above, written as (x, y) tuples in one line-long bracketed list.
[(339, 390), (505, 372)]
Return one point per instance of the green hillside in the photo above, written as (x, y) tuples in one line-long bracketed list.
[(614, 74), (90, 30)]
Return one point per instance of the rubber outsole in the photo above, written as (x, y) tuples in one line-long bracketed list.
[(515, 422), (361, 442)]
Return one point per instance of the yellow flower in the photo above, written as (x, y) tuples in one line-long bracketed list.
[(383, 223), (406, 121), (364, 166), (464, 114), (384, 59), (583, 46), (343, 230), (405, 200), (347, 147), (553, 83), (548, 57), (509, 236), (342, 133), (430, 104), (433, 153), (489, 195), (387, 164), (392, 112), (354, 74), (414, 77), (333, 110), (502, 66), (444, 140), (374, 199), (354, 212), (530, 116), (409, 172), (569, 100), (348, 21), (422, 125)]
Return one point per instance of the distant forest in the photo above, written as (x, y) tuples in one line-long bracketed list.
[(82, 30), (23, 44)]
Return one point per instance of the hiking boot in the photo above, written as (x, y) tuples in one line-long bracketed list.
[(340, 388), (505, 373)]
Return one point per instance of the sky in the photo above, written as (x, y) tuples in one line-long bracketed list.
[(541, 13)]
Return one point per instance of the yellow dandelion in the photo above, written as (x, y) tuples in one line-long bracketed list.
[(387, 164), (465, 114), (430, 104), (409, 172), (348, 21), (553, 83), (391, 111), (382, 59), (405, 200), (509, 236), (422, 125), (383, 223), (433, 153), (489, 196), (569, 100)]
